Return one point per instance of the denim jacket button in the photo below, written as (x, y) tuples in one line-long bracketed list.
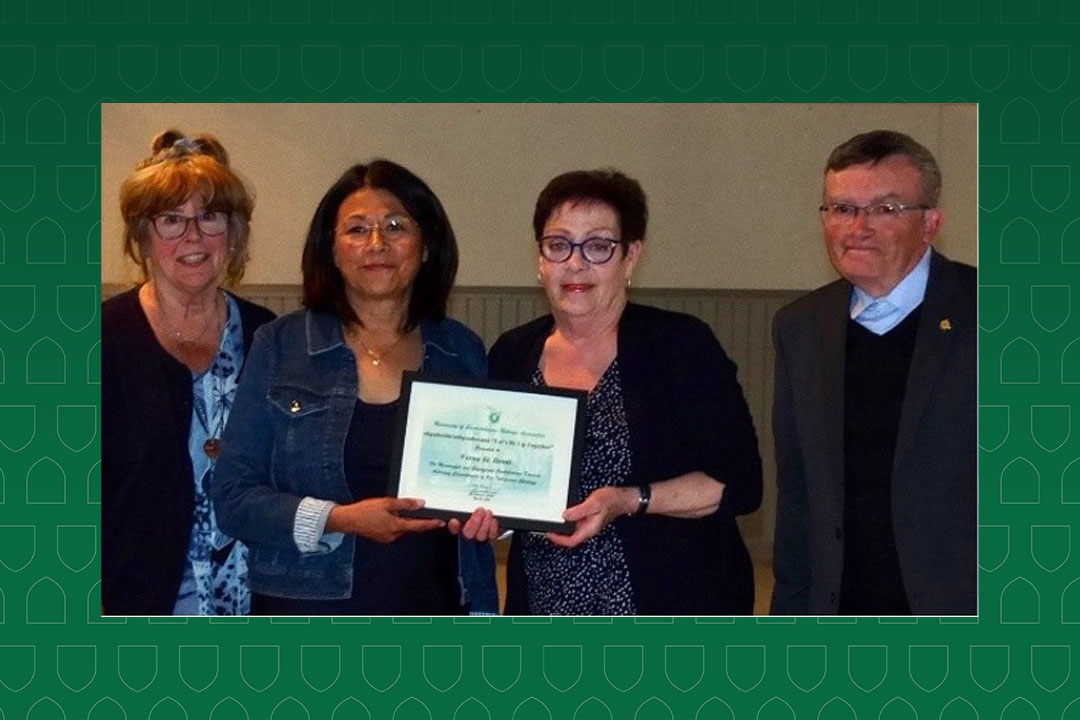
[(294, 406)]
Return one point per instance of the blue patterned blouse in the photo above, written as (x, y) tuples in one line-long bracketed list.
[(215, 579)]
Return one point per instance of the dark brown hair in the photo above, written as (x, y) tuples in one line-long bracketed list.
[(610, 187), (876, 145), (324, 288)]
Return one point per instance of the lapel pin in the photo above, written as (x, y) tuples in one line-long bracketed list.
[(945, 325)]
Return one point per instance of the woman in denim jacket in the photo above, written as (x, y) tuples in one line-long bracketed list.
[(305, 467)]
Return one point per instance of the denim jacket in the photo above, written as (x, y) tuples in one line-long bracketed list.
[(284, 442)]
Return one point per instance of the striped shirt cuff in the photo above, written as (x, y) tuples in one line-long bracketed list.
[(310, 522)]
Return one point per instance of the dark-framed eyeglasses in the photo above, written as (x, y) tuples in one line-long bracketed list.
[(843, 213), (392, 228), (173, 226), (595, 250)]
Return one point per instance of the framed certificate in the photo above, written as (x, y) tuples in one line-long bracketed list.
[(512, 448)]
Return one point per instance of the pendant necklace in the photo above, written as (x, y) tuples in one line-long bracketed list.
[(179, 339), (376, 358), (212, 446), (204, 407), (181, 342)]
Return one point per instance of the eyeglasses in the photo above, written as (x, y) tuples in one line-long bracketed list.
[(844, 213), (596, 250), (393, 228), (172, 226)]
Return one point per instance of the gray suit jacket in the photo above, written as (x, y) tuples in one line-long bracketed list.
[(934, 477)]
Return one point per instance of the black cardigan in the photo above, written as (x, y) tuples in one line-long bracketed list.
[(685, 412), (147, 491)]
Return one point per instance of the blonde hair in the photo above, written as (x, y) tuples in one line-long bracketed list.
[(179, 167)]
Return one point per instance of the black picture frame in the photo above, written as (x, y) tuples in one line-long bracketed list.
[(517, 521)]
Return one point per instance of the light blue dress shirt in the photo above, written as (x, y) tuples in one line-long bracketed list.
[(880, 315)]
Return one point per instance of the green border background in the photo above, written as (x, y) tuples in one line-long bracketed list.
[(59, 60)]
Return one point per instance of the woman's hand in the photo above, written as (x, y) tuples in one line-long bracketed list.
[(693, 495), (595, 513), (481, 526), (377, 519)]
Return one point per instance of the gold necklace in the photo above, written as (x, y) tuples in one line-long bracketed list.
[(175, 330), (375, 357)]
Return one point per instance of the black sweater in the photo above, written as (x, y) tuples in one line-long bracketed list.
[(875, 376), (147, 484), (685, 412)]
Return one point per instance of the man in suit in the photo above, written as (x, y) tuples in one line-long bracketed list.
[(875, 404)]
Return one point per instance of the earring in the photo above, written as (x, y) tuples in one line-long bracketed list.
[(627, 281), (539, 278), (424, 256)]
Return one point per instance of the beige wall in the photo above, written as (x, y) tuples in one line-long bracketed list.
[(732, 188)]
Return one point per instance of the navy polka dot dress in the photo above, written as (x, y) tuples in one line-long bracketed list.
[(593, 578)]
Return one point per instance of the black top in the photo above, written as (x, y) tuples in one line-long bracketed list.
[(147, 483), (414, 575), (685, 411), (875, 375)]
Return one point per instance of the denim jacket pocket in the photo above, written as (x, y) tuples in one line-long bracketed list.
[(301, 419), (295, 401)]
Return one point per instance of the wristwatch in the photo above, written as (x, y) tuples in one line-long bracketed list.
[(644, 496)]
